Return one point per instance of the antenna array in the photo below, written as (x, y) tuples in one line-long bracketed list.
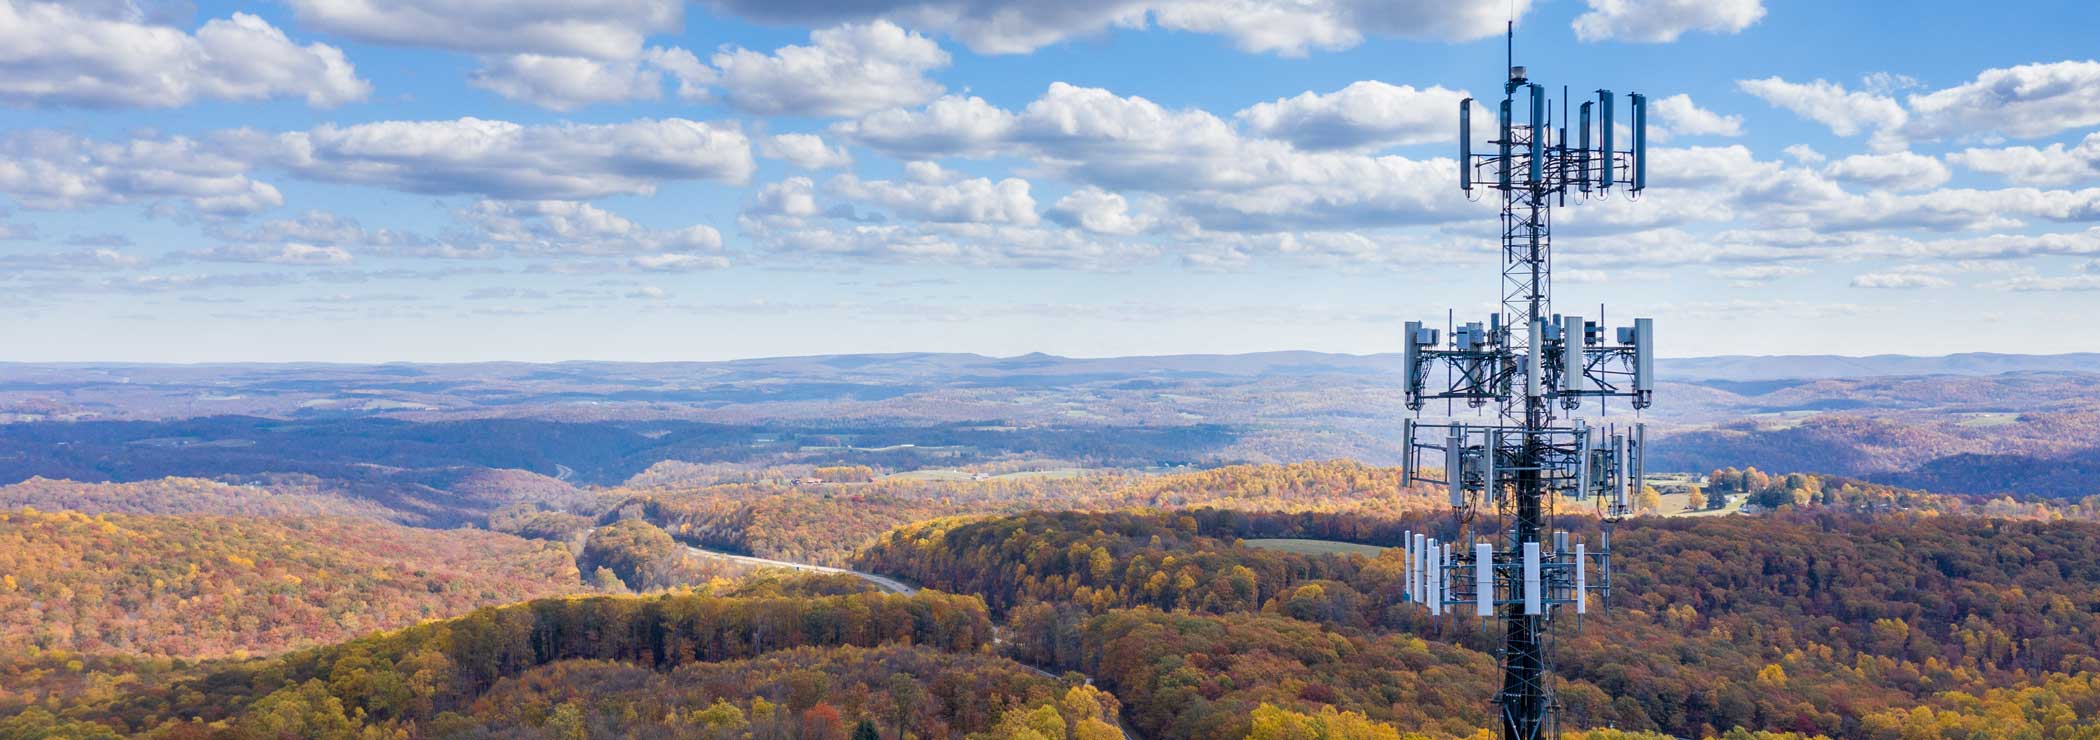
[(1536, 367)]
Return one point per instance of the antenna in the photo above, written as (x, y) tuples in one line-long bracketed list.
[(1538, 369)]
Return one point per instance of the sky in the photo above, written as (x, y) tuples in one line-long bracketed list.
[(541, 180)]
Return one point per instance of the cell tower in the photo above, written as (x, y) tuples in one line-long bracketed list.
[(1537, 367)]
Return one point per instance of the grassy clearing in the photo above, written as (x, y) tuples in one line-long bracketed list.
[(1317, 547)]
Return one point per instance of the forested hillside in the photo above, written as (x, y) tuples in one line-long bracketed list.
[(1829, 623), (781, 660), (827, 524), (199, 586)]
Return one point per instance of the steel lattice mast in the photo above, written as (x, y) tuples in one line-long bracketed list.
[(1534, 365)]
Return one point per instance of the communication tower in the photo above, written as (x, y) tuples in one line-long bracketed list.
[(1508, 476)]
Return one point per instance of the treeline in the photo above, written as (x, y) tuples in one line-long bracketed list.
[(827, 524), (813, 693), (1183, 675), (404, 679), (202, 586), (1819, 622)]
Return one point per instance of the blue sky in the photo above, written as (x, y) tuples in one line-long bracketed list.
[(456, 180)]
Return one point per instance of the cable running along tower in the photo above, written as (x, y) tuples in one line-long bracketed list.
[(1508, 474)]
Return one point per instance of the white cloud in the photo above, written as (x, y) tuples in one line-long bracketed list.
[(1805, 154), (1213, 175), (1100, 212), (555, 227), (506, 160), (1678, 115), (952, 125), (2040, 284), (1751, 274), (845, 71), (807, 151), (1364, 114), (54, 170), (2026, 165), (1828, 103), (51, 55), (1894, 171), (1662, 21), (2028, 101), (599, 29), (1900, 281), (794, 197), (565, 83), (282, 254), (1282, 26), (937, 198)]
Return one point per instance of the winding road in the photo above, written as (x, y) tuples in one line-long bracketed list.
[(885, 583)]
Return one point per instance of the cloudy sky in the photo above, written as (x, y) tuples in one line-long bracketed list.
[(451, 180)]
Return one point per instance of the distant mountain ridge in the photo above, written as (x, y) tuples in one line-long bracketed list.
[(964, 365)]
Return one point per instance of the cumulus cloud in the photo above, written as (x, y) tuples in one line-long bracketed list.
[(510, 161), (1662, 21), (566, 83), (1894, 171), (1281, 26), (1100, 212), (54, 54), (2055, 164), (807, 151), (1678, 115), (844, 71), (51, 170), (1364, 114), (2027, 101), (1846, 112), (1211, 173), (941, 199), (600, 29), (952, 125)]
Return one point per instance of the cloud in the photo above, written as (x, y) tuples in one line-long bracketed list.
[(1288, 27), (1662, 21), (1828, 103), (1678, 115), (2039, 284), (2027, 101), (807, 151), (1100, 212), (554, 227), (284, 254), (952, 125), (937, 197), (601, 29), (71, 261), (566, 83), (1365, 114), (2026, 165), (50, 170), (845, 71), (1900, 281), (51, 55), (1895, 171), (1753, 274), (504, 160), (794, 197)]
